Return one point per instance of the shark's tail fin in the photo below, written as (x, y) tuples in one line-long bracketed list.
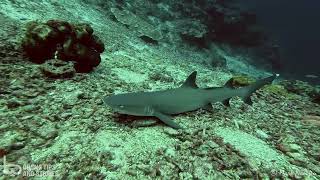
[(255, 86)]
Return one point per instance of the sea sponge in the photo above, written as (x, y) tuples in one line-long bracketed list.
[(240, 81), (65, 41), (39, 42)]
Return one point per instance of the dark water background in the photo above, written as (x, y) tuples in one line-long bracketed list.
[(295, 25)]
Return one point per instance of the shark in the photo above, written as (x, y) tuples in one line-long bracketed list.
[(188, 97)]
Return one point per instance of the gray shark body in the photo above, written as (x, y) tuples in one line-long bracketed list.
[(188, 97)]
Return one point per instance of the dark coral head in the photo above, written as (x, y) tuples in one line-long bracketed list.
[(60, 39)]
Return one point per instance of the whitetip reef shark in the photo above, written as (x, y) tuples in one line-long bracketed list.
[(187, 97)]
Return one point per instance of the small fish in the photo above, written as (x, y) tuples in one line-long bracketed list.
[(311, 76)]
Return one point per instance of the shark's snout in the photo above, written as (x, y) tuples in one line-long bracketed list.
[(125, 104), (111, 100), (107, 100)]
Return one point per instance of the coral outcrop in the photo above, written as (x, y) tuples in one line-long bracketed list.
[(65, 41)]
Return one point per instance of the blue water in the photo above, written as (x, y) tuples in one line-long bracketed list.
[(295, 26)]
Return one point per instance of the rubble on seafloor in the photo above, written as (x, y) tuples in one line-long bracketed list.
[(64, 123)]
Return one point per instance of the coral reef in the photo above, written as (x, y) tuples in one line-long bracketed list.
[(68, 42)]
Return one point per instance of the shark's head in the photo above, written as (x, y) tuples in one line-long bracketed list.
[(126, 104)]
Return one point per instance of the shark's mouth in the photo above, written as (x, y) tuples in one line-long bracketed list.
[(120, 111)]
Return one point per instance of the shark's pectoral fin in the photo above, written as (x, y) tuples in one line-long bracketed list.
[(226, 102), (208, 107), (247, 100), (167, 120)]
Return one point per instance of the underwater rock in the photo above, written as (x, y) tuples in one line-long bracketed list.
[(86, 58), (11, 141), (10, 41), (316, 98), (39, 42), (240, 81), (261, 134), (3, 152), (171, 132), (303, 88), (56, 68), (224, 21), (9, 51), (197, 22), (62, 27), (65, 41), (297, 87), (30, 108), (311, 120), (227, 24), (192, 31), (96, 43), (193, 28), (145, 31), (14, 103), (83, 32), (216, 59), (277, 89)]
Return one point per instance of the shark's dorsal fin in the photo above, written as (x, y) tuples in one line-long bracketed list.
[(191, 80)]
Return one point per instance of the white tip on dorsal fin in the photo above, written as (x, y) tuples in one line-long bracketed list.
[(191, 81)]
